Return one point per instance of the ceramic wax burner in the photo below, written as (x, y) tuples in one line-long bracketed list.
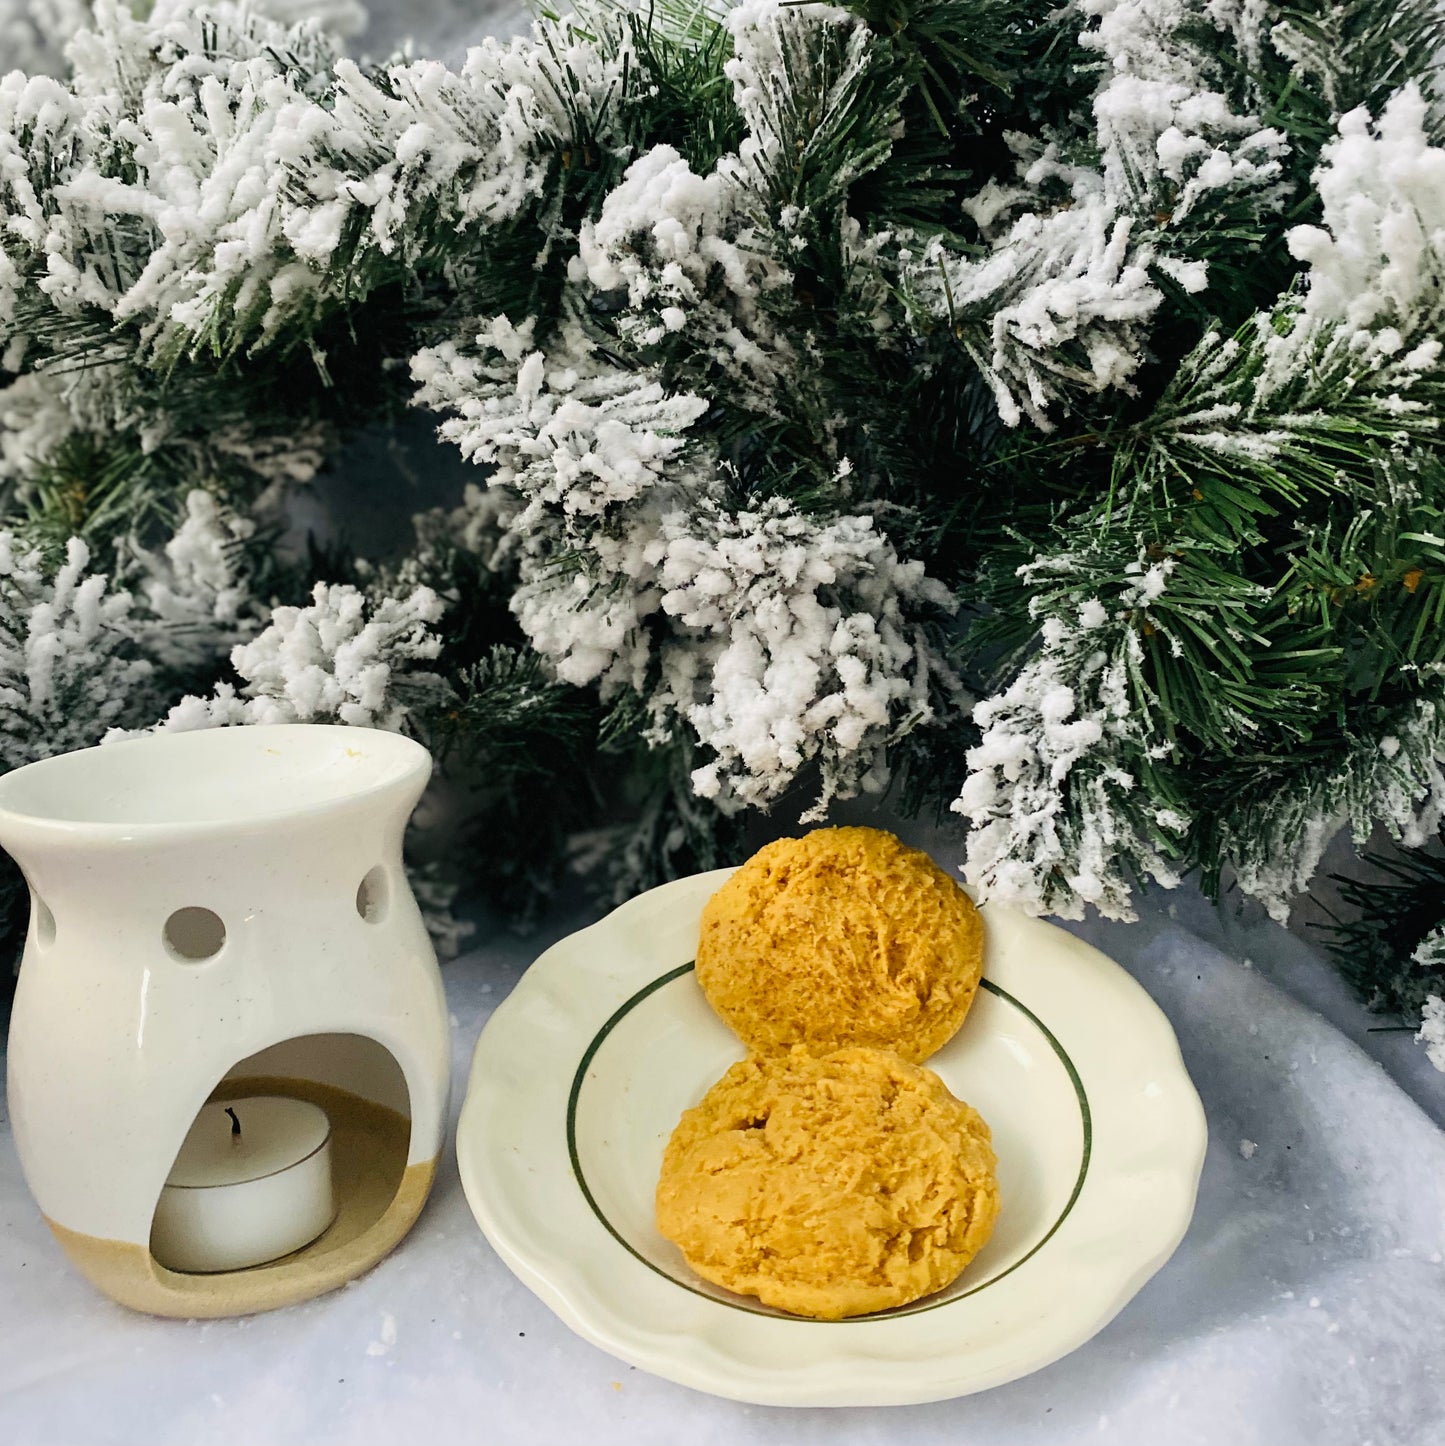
[(220, 916)]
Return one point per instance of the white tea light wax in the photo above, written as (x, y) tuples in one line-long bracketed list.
[(251, 1183)]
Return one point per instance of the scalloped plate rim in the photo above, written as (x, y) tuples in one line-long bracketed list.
[(593, 1285)]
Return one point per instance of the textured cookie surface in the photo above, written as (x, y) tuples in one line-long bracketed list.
[(829, 1186), (844, 936)]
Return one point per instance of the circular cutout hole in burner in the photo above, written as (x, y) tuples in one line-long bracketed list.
[(193, 934), (373, 895)]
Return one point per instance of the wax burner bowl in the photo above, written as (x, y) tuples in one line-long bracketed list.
[(213, 915)]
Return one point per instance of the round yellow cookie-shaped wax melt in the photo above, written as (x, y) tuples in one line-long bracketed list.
[(844, 936), (829, 1186)]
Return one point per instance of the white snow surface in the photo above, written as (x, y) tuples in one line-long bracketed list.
[(1304, 1306)]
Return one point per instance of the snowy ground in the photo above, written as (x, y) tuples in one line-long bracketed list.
[(1306, 1304)]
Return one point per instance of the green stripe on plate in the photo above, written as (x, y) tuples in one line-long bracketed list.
[(671, 976)]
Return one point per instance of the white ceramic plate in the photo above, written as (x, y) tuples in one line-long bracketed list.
[(579, 1079)]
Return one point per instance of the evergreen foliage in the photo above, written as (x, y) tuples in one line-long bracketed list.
[(1039, 406), (1387, 942)]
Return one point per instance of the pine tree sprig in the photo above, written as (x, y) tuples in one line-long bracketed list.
[(1033, 409), (1382, 919)]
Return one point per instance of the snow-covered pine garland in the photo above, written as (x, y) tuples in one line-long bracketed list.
[(1051, 419)]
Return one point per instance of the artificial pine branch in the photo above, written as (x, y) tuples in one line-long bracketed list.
[(1384, 919), (827, 369)]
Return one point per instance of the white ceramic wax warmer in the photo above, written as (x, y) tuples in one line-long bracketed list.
[(221, 941)]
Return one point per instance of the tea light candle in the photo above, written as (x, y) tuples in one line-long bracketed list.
[(251, 1183)]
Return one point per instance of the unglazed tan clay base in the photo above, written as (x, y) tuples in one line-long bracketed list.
[(379, 1197)]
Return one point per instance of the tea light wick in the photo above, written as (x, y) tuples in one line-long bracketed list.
[(238, 1198)]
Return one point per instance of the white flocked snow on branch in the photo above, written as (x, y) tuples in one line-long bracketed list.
[(1050, 779), (744, 315), (69, 664), (340, 659)]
